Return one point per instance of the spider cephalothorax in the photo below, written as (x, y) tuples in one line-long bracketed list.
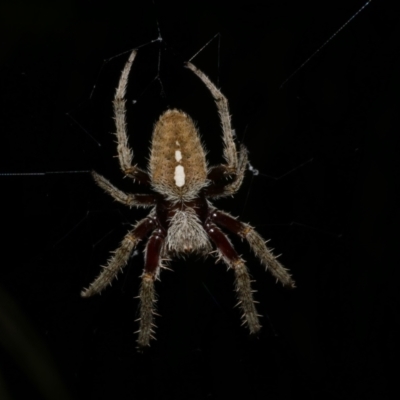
[(182, 219)]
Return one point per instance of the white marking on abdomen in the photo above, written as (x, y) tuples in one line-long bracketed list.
[(179, 176), (178, 155)]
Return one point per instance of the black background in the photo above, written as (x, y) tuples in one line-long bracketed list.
[(326, 151)]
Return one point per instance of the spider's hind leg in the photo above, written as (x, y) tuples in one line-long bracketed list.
[(257, 244), (147, 293), (242, 278)]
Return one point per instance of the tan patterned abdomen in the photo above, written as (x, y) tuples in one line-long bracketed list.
[(177, 162)]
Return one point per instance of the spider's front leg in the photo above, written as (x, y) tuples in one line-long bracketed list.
[(147, 296), (242, 278), (236, 162), (125, 153), (120, 257), (230, 152)]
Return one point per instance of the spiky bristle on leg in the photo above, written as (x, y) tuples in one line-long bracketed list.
[(147, 307), (245, 296), (115, 264), (267, 258)]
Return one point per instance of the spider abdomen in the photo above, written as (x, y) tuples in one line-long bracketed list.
[(178, 165)]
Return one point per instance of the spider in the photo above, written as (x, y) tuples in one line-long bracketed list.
[(182, 219)]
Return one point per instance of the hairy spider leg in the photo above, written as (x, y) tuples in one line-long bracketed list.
[(236, 163), (242, 278), (128, 199), (125, 153), (147, 296), (257, 244), (230, 152), (120, 257), (224, 181)]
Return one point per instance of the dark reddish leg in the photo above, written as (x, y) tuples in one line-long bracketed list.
[(219, 172), (153, 252), (220, 176), (256, 243), (229, 222), (226, 180), (242, 278), (222, 242)]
